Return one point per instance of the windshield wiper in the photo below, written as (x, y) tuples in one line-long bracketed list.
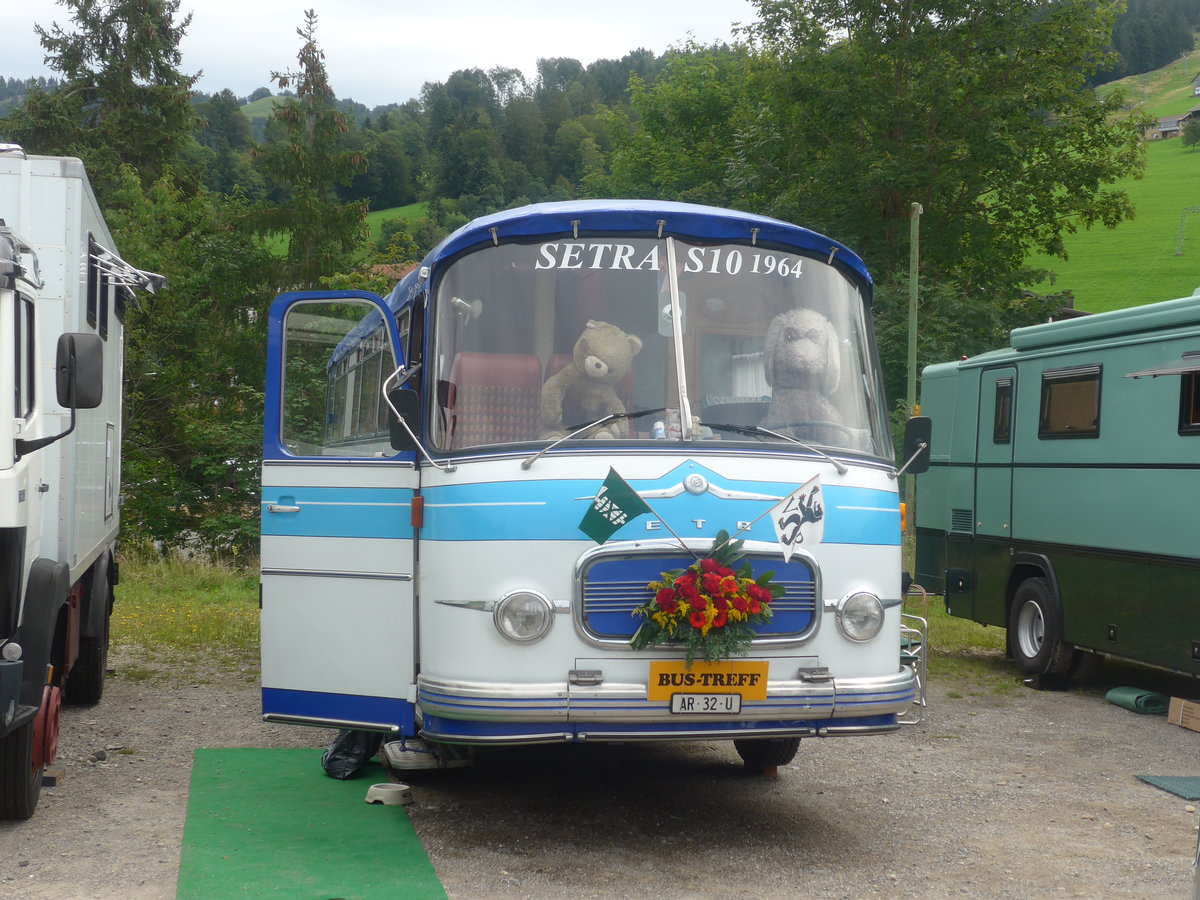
[(759, 431), (611, 417)]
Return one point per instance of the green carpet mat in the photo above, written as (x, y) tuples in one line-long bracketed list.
[(270, 823), (1185, 786), (1139, 701)]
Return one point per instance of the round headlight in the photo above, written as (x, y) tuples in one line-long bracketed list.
[(523, 616), (860, 616)]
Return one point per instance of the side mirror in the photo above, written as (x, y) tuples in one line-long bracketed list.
[(918, 432), (408, 405), (79, 370)]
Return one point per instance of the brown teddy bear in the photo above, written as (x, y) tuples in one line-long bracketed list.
[(803, 368), (584, 390)]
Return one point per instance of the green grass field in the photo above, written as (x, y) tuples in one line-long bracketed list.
[(1136, 262)]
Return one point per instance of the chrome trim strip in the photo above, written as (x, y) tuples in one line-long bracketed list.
[(561, 607), (324, 463), (761, 549), (839, 730), (326, 573), (603, 736), (330, 723), (546, 738)]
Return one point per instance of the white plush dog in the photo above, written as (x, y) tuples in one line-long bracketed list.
[(803, 368)]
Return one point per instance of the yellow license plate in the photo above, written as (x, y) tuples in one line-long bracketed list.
[(746, 678)]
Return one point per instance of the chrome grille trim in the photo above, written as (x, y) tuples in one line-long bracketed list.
[(625, 595)]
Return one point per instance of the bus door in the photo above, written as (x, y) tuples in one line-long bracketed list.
[(338, 611), (993, 491)]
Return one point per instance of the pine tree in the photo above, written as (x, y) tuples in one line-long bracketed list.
[(322, 233)]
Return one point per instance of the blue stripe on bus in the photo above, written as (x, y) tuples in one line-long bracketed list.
[(381, 711), (339, 512), (551, 510)]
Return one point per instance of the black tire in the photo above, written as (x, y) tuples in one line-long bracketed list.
[(766, 753), (85, 682), (1035, 632), (20, 782)]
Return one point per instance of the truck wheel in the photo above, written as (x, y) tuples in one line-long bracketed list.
[(766, 754), (1035, 631), (20, 779), (85, 681)]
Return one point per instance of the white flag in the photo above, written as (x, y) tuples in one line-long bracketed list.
[(799, 518)]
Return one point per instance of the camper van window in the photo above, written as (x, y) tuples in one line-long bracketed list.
[(93, 282), (1189, 403), (1002, 427), (1070, 403), (102, 313)]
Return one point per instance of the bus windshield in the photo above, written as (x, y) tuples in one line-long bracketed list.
[(665, 339)]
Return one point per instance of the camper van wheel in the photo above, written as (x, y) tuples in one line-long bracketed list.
[(763, 754), (1035, 631), (85, 681), (20, 780)]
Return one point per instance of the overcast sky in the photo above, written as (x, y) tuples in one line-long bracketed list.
[(382, 51)]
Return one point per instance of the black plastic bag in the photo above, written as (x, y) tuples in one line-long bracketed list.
[(348, 753)]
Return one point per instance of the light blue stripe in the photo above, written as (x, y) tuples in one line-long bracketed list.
[(339, 512)]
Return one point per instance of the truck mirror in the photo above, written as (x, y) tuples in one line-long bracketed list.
[(79, 367), (407, 404), (918, 432)]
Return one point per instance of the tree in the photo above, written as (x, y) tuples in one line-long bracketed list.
[(978, 111), (195, 357), (122, 99), (322, 233), (1191, 133)]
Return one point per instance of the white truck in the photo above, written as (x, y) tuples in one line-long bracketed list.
[(63, 295)]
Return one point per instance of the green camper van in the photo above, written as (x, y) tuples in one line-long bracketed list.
[(1063, 497)]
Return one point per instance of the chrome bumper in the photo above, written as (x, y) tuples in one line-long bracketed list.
[(468, 712)]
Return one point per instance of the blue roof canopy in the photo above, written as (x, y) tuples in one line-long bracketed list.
[(651, 217)]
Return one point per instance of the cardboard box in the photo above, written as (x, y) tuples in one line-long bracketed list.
[(1185, 713)]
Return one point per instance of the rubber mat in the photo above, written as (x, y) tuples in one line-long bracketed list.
[(1185, 786), (270, 823)]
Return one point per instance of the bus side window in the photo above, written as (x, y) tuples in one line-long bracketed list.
[(1189, 403)]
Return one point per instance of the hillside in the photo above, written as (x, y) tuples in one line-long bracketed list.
[(1136, 262)]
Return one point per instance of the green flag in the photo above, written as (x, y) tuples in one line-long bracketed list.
[(615, 504)]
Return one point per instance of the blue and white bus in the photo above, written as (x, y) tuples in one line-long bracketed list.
[(426, 470)]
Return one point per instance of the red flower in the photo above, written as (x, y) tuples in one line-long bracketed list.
[(698, 602), (721, 604), (759, 593), (739, 603), (666, 600), (753, 607), (719, 619), (708, 565), (712, 583), (729, 585), (697, 619), (724, 571)]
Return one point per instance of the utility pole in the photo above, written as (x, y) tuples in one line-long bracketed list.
[(914, 254)]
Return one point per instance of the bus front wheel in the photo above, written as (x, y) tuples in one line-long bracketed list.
[(1035, 631)]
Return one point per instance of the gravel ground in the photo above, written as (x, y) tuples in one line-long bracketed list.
[(1001, 791)]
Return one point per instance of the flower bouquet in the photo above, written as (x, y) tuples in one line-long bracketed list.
[(709, 607)]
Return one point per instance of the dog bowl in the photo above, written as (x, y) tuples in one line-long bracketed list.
[(390, 794)]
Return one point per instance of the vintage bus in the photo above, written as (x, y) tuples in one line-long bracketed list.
[(1061, 498), (429, 459)]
